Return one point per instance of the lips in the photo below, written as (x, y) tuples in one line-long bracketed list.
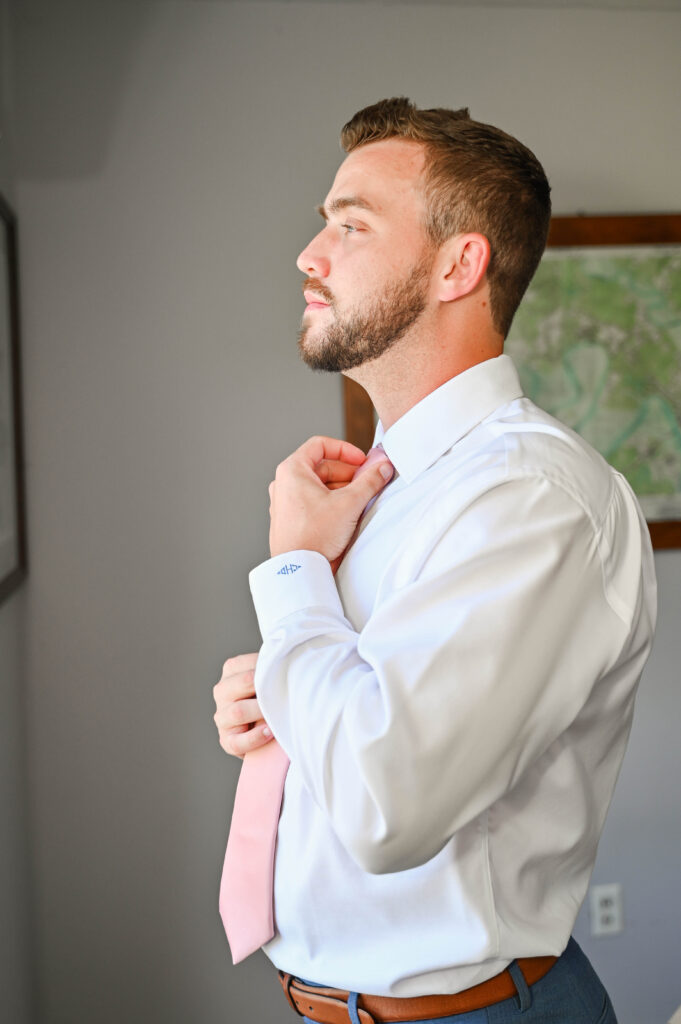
[(317, 295), (314, 301)]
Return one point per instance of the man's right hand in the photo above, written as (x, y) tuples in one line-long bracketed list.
[(238, 717)]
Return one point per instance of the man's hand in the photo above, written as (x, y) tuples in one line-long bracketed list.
[(316, 499), (238, 717)]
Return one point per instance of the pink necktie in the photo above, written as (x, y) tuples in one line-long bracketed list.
[(246, 904), (246, 888)]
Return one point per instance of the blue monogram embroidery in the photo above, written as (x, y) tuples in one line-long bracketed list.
[(286, 570)]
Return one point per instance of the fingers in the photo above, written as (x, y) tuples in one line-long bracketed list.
[(238, 717), (372, 475), (334, 462), (240, 663), (240, 741), (315, 502), (234, 688), (237, 713), (319, 448), (335, 474), (375, 456)]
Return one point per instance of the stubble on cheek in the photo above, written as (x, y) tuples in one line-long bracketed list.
[(366, 332)]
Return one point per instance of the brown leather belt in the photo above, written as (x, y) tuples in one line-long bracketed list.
[(330, 1005)]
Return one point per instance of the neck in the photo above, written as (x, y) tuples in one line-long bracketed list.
[(416, 366)]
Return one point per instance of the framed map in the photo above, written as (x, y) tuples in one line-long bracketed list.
[(597, 343), (12, 523)]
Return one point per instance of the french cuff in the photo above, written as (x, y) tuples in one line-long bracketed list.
[(289, 583)]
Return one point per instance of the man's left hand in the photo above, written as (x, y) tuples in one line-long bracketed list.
[(316, 499)]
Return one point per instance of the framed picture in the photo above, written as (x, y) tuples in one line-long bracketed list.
[(12, 511), (597, 343)]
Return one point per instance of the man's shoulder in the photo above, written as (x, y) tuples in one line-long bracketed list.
[(526, 442)]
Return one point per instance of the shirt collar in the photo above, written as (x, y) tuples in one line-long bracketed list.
[(438, 421)]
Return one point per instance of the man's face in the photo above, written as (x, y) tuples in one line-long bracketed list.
[(368, 269)]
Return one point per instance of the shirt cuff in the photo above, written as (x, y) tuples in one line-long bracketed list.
[(289, 583)]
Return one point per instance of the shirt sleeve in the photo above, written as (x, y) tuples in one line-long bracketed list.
[(463, 676)]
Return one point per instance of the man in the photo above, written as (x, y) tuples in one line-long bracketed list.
[(456, 699)]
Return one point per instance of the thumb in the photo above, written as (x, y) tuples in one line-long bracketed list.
[(371, 477)]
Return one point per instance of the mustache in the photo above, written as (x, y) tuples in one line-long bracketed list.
[(312, 284)]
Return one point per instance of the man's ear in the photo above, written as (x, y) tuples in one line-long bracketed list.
[(463, 264)]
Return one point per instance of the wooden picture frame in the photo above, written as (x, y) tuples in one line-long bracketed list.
[(580, 234), (13, 553)]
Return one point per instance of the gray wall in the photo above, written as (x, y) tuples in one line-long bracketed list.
[(15, 913), (169, 155), (16, 965)]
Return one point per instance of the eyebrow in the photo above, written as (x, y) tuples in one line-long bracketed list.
[(342, 203)]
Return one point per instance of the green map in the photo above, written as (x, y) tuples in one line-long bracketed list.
[(597, 343)]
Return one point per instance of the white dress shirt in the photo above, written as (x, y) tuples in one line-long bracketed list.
[(457, 701)]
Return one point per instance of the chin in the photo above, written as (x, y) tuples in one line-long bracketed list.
[(309, 346)]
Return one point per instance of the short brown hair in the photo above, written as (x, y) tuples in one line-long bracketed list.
[(478, 178)]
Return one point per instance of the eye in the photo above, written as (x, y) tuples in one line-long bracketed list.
[(349, 228)]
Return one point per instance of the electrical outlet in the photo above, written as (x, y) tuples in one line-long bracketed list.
[(606, 911)]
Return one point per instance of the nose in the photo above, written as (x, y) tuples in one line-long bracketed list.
[(312, 260)]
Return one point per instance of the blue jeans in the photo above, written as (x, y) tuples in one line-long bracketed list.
[(571, 993)]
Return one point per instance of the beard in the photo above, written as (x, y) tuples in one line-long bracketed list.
[(365, 334)]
